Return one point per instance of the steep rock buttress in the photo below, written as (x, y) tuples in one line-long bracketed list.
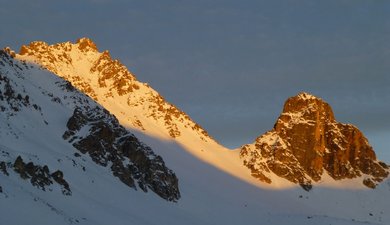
[(307, 142)]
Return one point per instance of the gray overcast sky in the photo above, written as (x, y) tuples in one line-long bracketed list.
[(231, 64)]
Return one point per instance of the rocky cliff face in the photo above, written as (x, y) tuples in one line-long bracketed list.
[(108, 143), (307, 142)]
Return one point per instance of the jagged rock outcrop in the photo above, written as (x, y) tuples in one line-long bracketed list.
[(40, 176), (3, 168), (108, 143), (85, 44), (307, 141)]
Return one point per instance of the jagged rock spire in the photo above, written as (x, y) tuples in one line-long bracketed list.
[(86, 43), (307, 141)]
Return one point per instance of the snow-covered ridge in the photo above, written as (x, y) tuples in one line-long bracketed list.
[(136, 105), (109, 82)]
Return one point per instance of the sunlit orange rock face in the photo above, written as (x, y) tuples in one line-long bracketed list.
[(307, 142)]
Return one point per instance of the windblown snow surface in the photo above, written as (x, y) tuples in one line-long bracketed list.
[(215, 187)]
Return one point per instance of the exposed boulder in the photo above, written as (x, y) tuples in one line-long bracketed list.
[(20, 168), (3, 168), (40, 176), (58, 176)]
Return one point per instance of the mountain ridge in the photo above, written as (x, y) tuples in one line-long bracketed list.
[(99, 76), (138, 106)]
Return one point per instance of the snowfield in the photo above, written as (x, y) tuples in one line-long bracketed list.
[(209, 196)]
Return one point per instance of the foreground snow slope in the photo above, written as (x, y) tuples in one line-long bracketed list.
[(209, 196)]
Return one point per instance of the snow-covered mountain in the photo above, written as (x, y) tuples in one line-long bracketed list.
[(66, 160), (139, 107), (105, 79), (47, 123)]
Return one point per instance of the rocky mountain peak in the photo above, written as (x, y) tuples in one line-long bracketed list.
[(308, 107), (86, 43), (82, 65), (35, 46), (307, 142)]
